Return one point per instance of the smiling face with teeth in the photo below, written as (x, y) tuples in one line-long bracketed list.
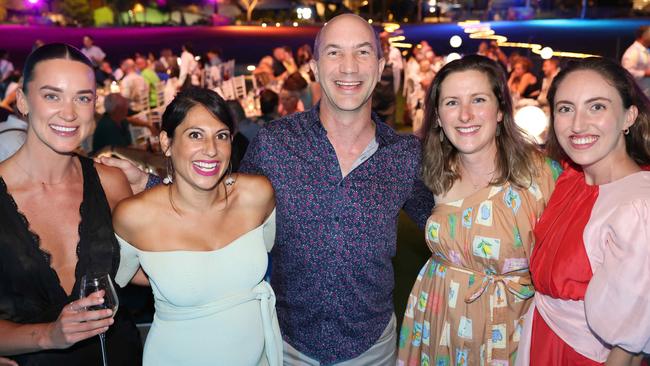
[(60, 103), (348, 65), (469, 112), (589, 119), (200, 149)]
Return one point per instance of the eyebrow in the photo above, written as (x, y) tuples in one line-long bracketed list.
[(59, 90), (357, 46), (598, 98), (590, 100), (471, 95), (203, 130)]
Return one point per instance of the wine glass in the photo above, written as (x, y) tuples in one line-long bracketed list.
[(91, 283)]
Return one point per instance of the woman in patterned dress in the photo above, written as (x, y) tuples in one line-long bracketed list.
[(491, 185), (591, 264)]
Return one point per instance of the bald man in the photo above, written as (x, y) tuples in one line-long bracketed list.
[(341, 176)]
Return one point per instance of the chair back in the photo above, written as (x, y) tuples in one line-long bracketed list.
[(239, 85)]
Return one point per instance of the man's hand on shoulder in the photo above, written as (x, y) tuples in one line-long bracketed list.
[(136, 177)]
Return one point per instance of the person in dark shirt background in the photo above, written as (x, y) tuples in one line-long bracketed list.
[(112, 127)]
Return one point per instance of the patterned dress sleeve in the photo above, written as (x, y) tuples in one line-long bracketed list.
[(129, 262), (550, 173), (617, 302)]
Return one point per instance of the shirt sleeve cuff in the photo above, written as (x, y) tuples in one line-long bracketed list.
[(152, 181)]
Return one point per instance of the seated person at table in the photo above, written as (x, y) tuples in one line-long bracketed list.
[(113, 128), (134, 87), (203, 242)]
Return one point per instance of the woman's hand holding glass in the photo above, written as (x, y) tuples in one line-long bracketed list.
[(75, 323)]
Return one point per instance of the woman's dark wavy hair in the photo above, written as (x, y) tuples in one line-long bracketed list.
[(51, 51), (637, 141), (518, 160), (188, 98)]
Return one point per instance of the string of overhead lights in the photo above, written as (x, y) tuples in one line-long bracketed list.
[(478, 30)]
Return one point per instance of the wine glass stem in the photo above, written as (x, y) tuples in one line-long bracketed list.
[(102, 342)]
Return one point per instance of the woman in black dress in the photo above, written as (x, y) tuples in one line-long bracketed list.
[(55, 224)]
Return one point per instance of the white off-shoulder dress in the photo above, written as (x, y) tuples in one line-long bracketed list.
[(212, 307)]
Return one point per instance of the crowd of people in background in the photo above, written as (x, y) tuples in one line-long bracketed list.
[(538, 256)]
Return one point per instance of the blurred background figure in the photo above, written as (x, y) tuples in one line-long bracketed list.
[(239, 140), (133, 87), (522, 83), (636, 59), (6, 68), (149, 75), (188, 67), (94, 53), (550, 68), (294, 95), (37, 43), (385, 92), (104, 74), (263, 73), (269, 101), (289, 102), (113, 128), (13, 131), (283, 62), (304, 55)]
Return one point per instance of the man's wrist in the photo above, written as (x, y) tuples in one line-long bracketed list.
[(152, 181)]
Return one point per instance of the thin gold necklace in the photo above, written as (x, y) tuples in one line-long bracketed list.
[(34, 179), (479, 185)]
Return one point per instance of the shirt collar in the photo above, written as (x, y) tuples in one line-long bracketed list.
[(383, 133)]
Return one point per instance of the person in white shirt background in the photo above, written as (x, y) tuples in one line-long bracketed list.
[(188, 66), (636, 59), (133, 86), (94, 53)]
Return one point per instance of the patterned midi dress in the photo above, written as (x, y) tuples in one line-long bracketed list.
[(468, 301)]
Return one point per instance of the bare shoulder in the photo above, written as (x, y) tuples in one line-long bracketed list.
[(114, 182), (255, 190), (133, 214)]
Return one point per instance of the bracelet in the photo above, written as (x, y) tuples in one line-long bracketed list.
[(152, 181)]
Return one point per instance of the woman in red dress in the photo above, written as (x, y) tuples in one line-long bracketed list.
[(591, 261)]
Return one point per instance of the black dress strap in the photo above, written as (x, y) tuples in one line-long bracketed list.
[(98, 249)]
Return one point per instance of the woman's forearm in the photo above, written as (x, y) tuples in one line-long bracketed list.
[(22, 338), (620, 357)]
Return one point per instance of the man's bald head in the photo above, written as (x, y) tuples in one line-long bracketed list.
[(338, 19)]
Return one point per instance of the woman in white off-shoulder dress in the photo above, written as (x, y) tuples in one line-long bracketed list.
[(202, 240)]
